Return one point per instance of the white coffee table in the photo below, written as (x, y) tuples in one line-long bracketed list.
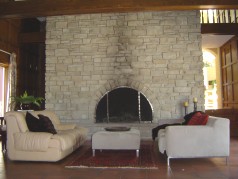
[(116, 140)]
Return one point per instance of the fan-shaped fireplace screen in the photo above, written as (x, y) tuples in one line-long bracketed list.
[(124, 105)]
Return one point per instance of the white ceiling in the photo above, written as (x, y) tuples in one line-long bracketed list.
[(214, 41)]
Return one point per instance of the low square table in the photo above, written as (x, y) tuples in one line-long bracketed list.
[(116, 140)]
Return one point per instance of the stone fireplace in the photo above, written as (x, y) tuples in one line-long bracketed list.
[(123, 105), (157, 54)]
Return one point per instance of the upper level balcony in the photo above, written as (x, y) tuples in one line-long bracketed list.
[(219, 21)]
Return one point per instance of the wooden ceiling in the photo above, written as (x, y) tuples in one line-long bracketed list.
[(37, 8)]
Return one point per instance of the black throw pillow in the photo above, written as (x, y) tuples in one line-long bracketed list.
[(47, 124), (33, 123)]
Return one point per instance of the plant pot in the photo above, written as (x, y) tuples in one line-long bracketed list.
[(25, 106)]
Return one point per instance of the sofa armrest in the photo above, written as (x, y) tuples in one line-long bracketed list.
[(32, 141), (195, 141)]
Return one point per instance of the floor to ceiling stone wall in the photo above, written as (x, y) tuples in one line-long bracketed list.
[(157, 53)]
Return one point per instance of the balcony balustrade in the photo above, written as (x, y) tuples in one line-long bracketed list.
[(219, 16)]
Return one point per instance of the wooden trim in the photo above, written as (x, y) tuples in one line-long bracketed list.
[(20, 9), (220, 29)]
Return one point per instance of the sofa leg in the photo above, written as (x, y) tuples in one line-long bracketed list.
[(227, 160), (137, 153)]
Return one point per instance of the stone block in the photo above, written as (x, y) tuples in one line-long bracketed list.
[(61, 52)]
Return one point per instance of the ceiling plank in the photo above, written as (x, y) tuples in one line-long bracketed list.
[(37, 8)]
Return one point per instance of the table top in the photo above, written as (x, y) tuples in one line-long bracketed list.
[(117, 129)]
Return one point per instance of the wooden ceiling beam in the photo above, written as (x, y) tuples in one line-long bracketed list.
[(220, 29), (37, 8)]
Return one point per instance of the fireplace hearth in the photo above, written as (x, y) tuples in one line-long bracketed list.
[(124, 105)]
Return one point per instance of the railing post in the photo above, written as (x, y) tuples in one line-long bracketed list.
[(213, 16), (235, 16), (218, 16), (202, 16), (223, 17), (229, 16), (207, 17)]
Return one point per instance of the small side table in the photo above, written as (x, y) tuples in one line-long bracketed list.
[(3, 133)]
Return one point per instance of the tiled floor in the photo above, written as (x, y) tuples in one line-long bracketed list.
[(208, 168)]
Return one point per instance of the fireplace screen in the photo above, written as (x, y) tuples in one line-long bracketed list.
[(123, 105)]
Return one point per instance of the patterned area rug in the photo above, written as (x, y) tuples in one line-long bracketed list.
[(117, 159)]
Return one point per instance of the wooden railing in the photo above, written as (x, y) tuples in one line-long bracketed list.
[(219, 16)]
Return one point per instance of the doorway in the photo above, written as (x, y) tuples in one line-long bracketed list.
[(210, 78), (211, 45)]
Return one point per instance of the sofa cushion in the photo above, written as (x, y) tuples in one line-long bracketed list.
[(66, 140), (198, 119), (32, 141), (64, 126), (54, 143), (33, 123), (47, 124)]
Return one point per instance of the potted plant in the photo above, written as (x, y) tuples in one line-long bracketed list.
[(26, 101)]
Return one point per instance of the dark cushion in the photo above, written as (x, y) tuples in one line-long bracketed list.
[(47, 124), (189, 116), (163, 126), (33, 123), (198, 119)]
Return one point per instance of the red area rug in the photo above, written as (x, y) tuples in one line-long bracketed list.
[(117, 159)]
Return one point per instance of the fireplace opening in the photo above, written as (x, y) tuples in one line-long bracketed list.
[(123, 105)]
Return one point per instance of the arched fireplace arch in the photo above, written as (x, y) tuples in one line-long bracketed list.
[(124, 104)]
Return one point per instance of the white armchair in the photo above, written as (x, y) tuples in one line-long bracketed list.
[(210, 140)]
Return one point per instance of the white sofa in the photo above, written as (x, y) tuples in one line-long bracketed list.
[(41, 146), (193, 141)]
